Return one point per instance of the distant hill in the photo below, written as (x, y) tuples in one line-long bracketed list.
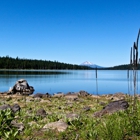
[(122, 67), (91, 65), (119, 67)]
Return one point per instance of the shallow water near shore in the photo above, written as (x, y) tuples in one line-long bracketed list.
[(53, 81)]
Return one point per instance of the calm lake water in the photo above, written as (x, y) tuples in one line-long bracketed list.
[(53, 81)]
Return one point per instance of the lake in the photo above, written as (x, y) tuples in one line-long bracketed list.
[(53, 81)]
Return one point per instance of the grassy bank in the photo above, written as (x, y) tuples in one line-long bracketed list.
[(75, 115)]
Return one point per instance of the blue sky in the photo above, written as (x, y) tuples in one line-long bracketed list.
[(70, 31)]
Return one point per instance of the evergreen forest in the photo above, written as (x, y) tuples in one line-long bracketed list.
[(7, 62)]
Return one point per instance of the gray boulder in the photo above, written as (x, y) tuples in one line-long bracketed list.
[(4, 107), (117, 105), (13, 108), (112, 107), (22, 86)]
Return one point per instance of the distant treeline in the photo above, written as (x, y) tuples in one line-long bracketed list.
[(7, 62), (20, 63), (122, 67)]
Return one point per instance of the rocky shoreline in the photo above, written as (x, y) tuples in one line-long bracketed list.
[(22, 88), (117, 103), (69, 106)]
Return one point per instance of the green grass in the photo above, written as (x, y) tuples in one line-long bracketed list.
[(123, 125)]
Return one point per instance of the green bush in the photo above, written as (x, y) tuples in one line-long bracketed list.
[(7, 131)]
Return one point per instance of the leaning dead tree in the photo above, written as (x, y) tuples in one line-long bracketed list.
[(134, 61), (134, 58)]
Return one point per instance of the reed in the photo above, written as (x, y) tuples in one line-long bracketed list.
[(96, 72)]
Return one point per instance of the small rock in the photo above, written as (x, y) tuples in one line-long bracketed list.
[(72, 93), (59, 125), (95, 96), (58, 95), (32, 123), (118, 96), (48, 95), (71, 97), (102, 103), (69, 104), (83, 93), (29, 112), (38, 95), (86, 108), (37, 99), (41, 112), (20, 126), (45, 101), (72, 116), (15, 108), (29, 99), (4, 107)]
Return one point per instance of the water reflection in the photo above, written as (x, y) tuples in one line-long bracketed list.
[(31, 72), (53, 81)]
